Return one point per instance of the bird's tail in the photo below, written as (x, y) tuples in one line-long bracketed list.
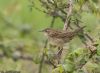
[(79, 30)]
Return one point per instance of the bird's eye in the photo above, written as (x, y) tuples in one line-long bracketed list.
[(46, 30)]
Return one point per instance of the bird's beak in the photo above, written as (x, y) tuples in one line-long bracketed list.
[(41, 31)]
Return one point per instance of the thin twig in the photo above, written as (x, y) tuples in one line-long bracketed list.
[(43, 55), (41, 63), (89, 37), (35, 7), (51, 62), (54, 4), (52, 22)]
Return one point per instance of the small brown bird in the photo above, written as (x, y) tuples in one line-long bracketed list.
[(60, 37)]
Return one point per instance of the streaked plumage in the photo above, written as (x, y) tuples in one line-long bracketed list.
[(60, 37)]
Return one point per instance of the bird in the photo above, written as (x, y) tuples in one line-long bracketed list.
[(60, 37)]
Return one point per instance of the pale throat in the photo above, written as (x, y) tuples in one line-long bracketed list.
[(46, 34)]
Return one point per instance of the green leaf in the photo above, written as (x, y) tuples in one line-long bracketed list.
[(69, 66), (59, 69), (98, 50)]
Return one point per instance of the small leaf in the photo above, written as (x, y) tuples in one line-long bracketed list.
[(59, 69), (69, 66)]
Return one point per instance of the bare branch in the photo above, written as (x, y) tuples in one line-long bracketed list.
[(67, 24), (89, 37)]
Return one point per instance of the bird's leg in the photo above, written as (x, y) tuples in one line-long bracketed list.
[(60, 49)]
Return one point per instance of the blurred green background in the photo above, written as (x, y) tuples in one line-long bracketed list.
[(19, 28)]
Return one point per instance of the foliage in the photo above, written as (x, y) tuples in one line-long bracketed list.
[(21, 45)]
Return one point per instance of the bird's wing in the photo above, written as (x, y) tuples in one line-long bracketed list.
[(62, 34), (55, 33), (66, 35)]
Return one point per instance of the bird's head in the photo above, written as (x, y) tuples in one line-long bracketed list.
[(47, 31)]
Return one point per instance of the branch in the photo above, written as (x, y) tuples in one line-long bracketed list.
[(89, 37), (67, 24)]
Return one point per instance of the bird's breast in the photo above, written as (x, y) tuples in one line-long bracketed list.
[(56, 41)]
